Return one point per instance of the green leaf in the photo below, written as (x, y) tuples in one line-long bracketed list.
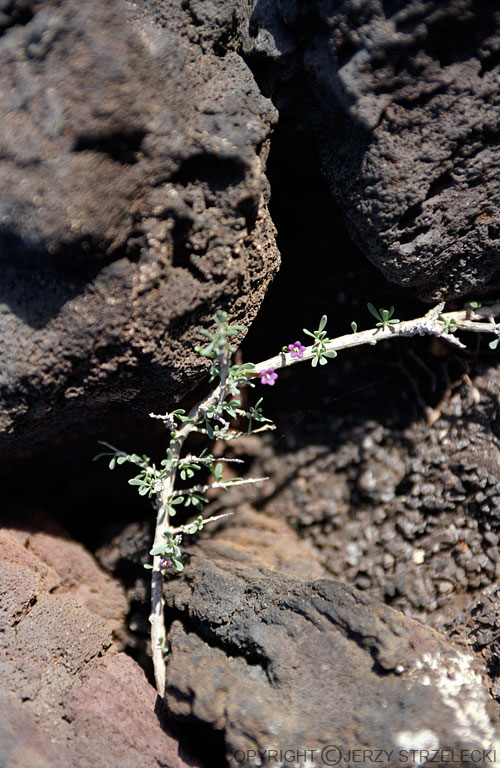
[(494, 344), (159, 550), (112, 463), (483, 303), (373, 311), (332, 354), (121, 459), (314, 362), (322, 361), (354, 327), (309, 333), (148, 567), (322, 322), (175, 551)]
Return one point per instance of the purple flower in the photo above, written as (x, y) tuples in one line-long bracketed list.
[(165, 562), (296, 350), (268, 377)]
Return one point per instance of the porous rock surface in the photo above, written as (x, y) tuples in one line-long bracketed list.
[(273, 663), (132, 207), (403, 102), (409, 512), (68, 698)]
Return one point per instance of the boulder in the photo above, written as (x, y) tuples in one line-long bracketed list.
[(133, 205), (68, 697), (402, 101), (314, 670)]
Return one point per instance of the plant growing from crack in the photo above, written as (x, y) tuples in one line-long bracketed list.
[(212, 417)]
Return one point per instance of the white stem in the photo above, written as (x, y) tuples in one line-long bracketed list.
[(234, 435), (428, 324), (480, 320), (222, 484), (212, 519), (157, 618)]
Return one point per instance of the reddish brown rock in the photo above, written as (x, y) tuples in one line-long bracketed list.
[(58, 564), (68, 699)]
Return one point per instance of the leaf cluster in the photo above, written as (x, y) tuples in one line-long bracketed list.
[(212, 419), (384, 317), (449, 324), (218, 349), (171, 549), (320, 341)]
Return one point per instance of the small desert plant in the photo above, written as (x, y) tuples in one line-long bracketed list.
[(214, 415)]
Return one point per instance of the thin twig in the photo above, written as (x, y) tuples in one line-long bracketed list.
[(428, 324), (205, 522), (142, 464), (434, 323), (223, 484), (156, 618)]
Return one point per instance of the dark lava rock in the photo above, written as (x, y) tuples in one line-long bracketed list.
[(478, 624), (132, 206), (273, 663), (403, 102), (408, 510)]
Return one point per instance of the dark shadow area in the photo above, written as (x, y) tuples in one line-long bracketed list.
[(17, 14), (204, 743), (214, 171), (36, 284), (121, 146), (323, 272)]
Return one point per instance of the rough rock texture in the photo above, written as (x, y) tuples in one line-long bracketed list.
[(479, 625), (67, 700), (62, 565), (274, 663), (407, 511), (403, 101), (132, 206), (253, 537)]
